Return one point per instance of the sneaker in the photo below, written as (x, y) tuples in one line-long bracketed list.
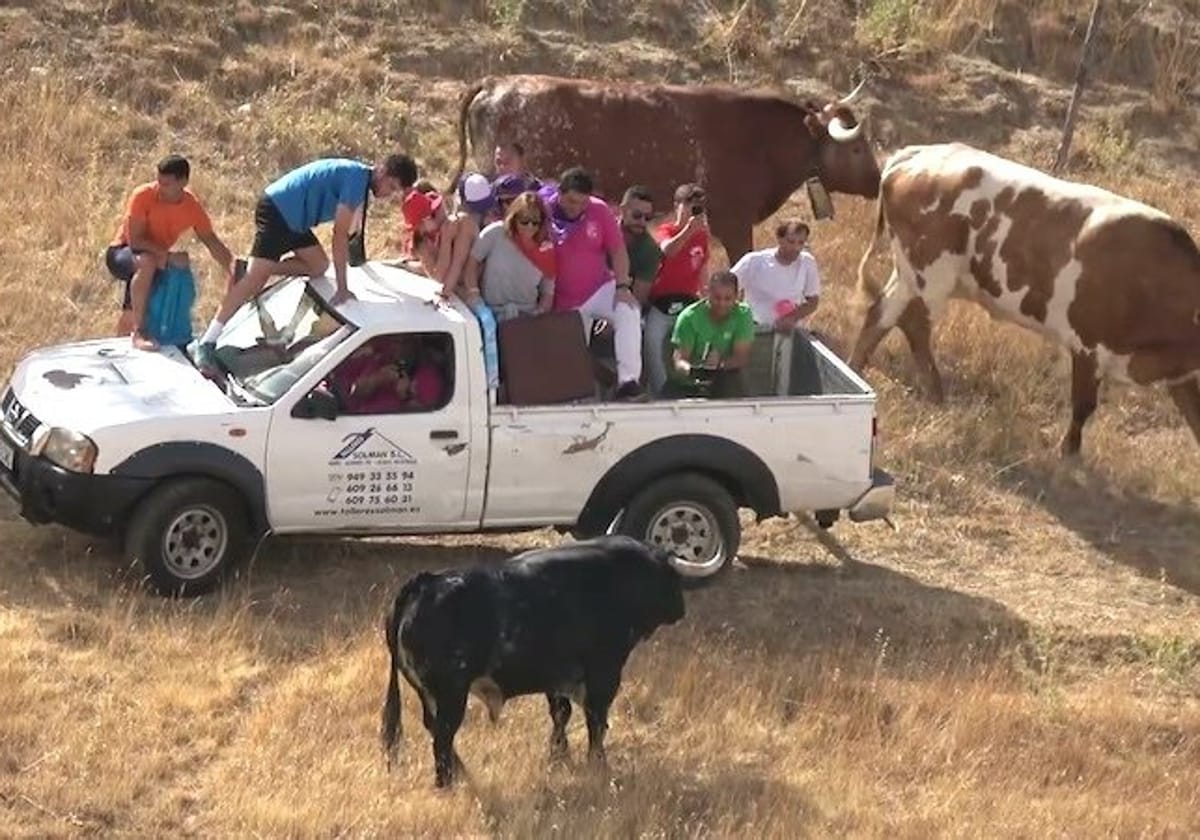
[(204, 357), (631, 391)]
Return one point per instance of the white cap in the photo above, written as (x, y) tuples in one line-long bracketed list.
[(475, 187)]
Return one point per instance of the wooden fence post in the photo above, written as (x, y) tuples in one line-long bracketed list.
[(1064, 147)]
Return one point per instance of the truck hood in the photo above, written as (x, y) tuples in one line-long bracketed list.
[(95, 384)]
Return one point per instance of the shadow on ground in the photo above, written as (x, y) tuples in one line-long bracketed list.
[(1155, 539), (314, 591)]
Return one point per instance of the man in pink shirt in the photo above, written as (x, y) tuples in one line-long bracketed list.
[(389, 374), (593, 273)]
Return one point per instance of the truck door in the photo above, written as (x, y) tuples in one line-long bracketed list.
[(382, 443)]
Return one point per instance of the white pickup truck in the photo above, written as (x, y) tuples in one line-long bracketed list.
[(187, 473)]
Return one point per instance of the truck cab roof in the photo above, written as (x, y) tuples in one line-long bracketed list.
[(388, 296)]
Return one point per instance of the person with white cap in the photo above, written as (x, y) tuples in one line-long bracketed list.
[(442, 242)]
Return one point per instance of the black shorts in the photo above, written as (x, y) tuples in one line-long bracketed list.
[(272, 236), (119, 261)]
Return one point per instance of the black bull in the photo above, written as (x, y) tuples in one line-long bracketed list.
[(559, 621)]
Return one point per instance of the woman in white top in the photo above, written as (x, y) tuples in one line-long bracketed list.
[(516, 258)]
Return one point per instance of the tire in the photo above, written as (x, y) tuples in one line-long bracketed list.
[(187, 533), (693, 515)]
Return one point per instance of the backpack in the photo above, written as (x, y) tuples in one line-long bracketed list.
[(169, 309)]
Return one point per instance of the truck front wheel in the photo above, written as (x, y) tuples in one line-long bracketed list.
[(692, 516), (186, 534)]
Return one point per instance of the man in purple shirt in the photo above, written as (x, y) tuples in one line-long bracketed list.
[(588, 239)]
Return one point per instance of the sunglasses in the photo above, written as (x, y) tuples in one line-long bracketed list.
[(525, 220), (639, 216)]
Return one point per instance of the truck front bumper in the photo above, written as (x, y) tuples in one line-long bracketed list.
[(45, 492), (876, 503)]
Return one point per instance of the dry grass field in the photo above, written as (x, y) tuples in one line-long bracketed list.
[(1020, 659)]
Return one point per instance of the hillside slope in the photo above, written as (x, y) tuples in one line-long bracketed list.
[(1019, 659)]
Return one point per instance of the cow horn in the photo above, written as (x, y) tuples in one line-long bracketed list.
[(843, 133), (676, 563), (852, 95)]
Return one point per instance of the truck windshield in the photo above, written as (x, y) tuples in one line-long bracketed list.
[(277, 337)]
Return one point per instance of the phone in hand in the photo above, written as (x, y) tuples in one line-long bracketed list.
[(697, 209)]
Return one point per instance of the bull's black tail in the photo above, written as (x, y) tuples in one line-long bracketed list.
[(392, 727)]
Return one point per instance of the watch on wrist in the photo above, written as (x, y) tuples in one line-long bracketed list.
[(628, 286)]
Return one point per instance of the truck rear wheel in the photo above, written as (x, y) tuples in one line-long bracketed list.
[(186, 534), (691, 515)]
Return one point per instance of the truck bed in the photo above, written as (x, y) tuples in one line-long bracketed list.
[(826, 439)]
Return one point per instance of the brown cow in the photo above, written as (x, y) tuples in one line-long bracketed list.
[(749, 150), (1115, 282)]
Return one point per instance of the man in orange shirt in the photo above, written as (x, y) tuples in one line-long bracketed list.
[(158, 214)]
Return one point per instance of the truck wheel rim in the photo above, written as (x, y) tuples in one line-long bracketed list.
[(692, 534), (194, 543)]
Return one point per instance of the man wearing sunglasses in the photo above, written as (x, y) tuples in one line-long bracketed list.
[(637, 208)]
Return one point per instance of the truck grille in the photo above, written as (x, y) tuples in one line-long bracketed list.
[(18, 420)]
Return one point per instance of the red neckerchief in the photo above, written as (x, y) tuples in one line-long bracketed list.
[(541, 255)]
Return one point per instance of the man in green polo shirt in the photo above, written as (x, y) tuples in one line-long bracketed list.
[(712, 339)]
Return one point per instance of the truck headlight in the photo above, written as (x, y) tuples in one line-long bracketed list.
[(70, 450)]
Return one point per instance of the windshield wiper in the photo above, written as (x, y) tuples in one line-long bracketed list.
[(244, 393), (323, 306)]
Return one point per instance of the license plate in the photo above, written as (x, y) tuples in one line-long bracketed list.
[(7, 453)]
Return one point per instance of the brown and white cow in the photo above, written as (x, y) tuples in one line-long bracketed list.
[(750, 150), (1114, 281)]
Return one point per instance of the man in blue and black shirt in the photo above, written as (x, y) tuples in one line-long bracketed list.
[(328, 190)]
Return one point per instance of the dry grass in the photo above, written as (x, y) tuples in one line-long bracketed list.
[(1020, 659)]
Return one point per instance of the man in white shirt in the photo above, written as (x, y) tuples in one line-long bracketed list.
[(783, 287)]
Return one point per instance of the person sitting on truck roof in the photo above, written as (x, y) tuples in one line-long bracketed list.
[(587, 238), (783, 287), (390, 374), (711, 341), (516, 258), (442, 243), (157, 214), (327, 190)]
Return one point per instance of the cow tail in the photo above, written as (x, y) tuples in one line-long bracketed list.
[(463, 111), (392, 727), (865, 286)]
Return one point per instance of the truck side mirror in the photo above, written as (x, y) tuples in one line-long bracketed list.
[(316, 403)]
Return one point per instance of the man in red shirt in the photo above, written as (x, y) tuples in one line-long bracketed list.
[(685, 246)]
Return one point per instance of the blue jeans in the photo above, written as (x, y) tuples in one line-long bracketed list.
[(656, 330), (491, 356)]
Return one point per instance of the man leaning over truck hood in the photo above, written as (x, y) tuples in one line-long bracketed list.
[(327, 190)]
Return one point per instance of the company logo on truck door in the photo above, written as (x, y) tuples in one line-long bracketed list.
[(371, 475), (370, 447)]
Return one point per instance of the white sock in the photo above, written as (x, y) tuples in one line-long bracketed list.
[(210, 334)]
